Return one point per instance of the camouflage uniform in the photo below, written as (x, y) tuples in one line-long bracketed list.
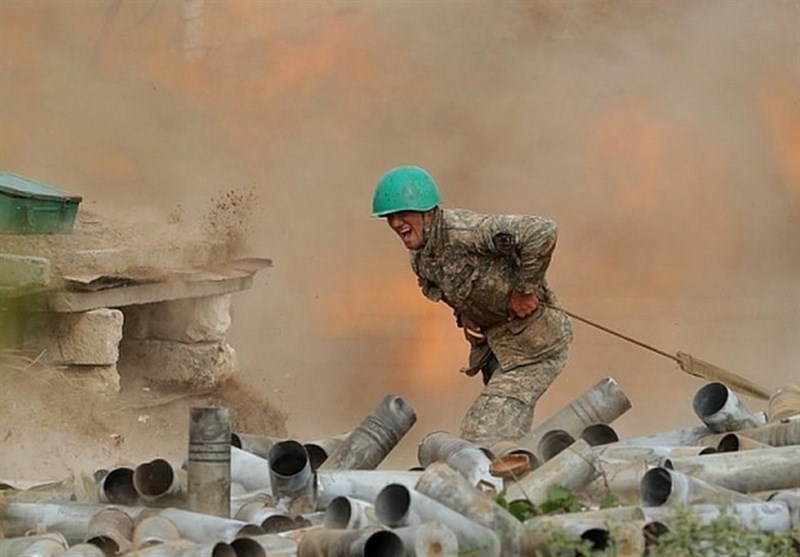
[(472, 262)]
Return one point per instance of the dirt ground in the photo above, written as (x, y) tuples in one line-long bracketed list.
[(53, 428)]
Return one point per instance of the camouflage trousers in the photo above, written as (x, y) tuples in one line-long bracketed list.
[(504, 410)]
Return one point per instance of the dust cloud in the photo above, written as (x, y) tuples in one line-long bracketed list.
[(663, 137)]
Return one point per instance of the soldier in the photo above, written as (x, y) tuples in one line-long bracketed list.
[(490, 269)]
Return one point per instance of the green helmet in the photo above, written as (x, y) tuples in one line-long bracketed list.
[(405, 188)]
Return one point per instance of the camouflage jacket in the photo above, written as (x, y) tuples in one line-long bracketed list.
[(472, 261)]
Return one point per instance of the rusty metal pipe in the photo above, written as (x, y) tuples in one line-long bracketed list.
[(732, 442), (770, 469), (247, 547), (350, 513), (367, 542), (399, 506), (209, 462), (111, 530), (70, 519), (601, 404), (431, 539), (573, 468), (446, 486), (156, 479), (662, 486), (721, 410), (373, 439), (470, 460)]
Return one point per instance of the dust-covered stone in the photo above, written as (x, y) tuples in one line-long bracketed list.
[(205, 319)]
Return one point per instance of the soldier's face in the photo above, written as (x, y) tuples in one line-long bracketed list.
[(409, 225)]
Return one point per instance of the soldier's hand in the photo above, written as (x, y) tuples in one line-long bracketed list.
[(472, 331), (521, 305)]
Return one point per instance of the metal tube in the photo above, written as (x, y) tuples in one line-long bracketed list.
[(721, 410), (42, 545), (677, 437), (620, 478), (470, 460), (70, 519), (573, 468), (263, 513), (350, 513), (249, 470), (156, 479), (373, 439), (770, 469), (732, 442), (398, 506), (116, 487), (791, 498), (276, 546), (653, 454), (627, 534), (779, 434), (601, 404), (446, 486), (246, 547), (209, 462), (153, 530), (320, 449), (367, 542), (599, 434), (83, 550), (258, 445), (754, 515), (504, 448), (205, 528), (552, 443), (111, 530), (431, 539), (361, 484), (184, 548), (662, 486), (290, 472), (784, 403)]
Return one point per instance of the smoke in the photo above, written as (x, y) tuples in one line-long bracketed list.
[(662, 137)]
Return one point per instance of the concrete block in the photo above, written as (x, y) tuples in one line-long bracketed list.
[(171, 365), (189, 320), (24, 271), (102, 380), (85, 338)]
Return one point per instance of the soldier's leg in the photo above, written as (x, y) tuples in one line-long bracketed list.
[(504, 410)]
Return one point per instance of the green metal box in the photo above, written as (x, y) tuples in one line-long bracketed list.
[(29, 207)]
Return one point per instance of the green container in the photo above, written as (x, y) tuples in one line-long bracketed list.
[(29, 207)]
